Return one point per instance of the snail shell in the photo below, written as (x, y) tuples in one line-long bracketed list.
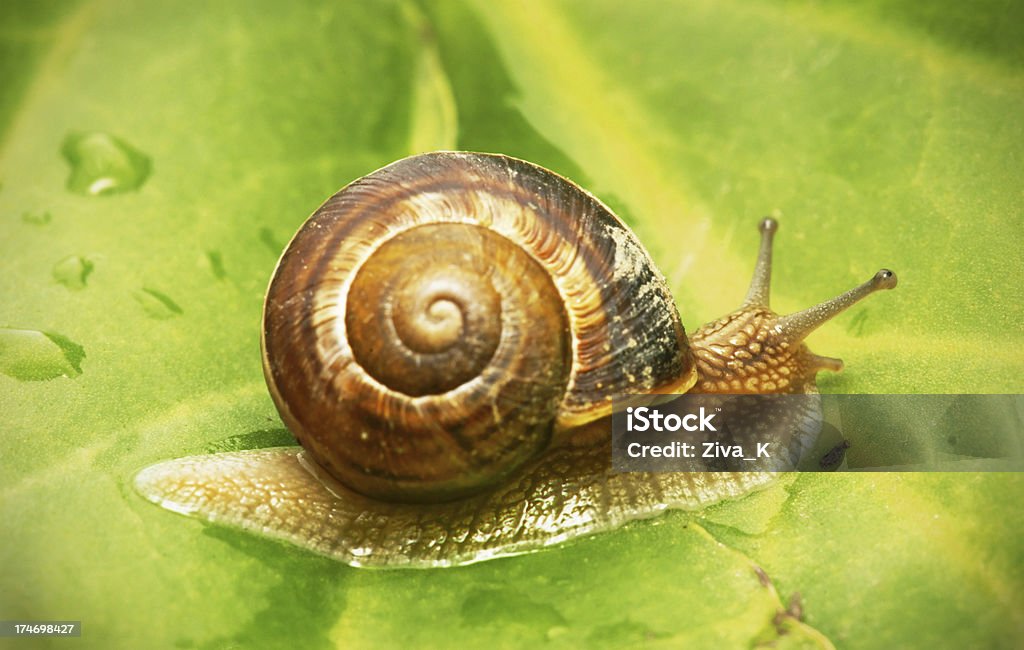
[(437, 323), (444, 337)]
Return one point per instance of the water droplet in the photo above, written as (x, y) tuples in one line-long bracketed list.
[(37, 218), (31, 355), (73, 271), (158, 304), (216, 264), (268, 239), (102, 164)]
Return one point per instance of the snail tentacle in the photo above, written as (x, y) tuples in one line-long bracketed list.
[(759, 293)]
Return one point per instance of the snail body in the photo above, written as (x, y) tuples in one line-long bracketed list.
[(444, 338)]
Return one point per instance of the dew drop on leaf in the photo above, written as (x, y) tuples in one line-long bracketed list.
[(32, 355), (73, 271), (102, 164)]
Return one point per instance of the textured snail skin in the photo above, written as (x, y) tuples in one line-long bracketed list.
[(613, 330), (566, 493)]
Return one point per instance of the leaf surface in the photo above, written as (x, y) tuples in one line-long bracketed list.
[(888, 135)]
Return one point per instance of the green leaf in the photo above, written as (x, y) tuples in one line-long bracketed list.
[(888, 134)]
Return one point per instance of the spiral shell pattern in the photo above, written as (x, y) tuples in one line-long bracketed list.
[(439, 322)]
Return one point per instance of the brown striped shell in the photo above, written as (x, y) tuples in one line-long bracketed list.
[(439, 322)]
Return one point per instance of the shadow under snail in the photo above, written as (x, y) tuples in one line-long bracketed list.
[(444, 337)]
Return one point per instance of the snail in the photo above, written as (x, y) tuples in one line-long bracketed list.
[(444, 337)]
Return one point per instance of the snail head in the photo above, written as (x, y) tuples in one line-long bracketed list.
[(755, 350)]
